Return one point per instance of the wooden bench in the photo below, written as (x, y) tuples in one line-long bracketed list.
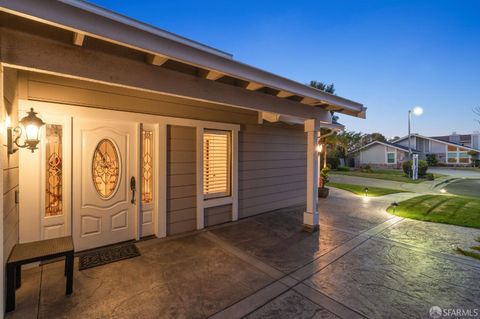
[(33, 252)]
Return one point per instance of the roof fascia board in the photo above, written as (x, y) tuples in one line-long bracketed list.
[(386, 144), (65, 14)]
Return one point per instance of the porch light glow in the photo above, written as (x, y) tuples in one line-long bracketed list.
[(319, 148), (31, 125)]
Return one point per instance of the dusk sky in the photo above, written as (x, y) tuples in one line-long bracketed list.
[(388, 55)]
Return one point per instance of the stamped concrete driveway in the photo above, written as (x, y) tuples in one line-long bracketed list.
[(363, 263)]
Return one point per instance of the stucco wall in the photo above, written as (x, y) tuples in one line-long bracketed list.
[(374, 154)]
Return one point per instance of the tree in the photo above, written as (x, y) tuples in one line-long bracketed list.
[(368, 138), (352, 140), (329, 88)]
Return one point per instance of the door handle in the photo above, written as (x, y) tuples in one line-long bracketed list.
[(133, 187)]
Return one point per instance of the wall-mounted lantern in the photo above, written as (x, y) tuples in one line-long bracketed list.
[(31, 126), (319, 148)]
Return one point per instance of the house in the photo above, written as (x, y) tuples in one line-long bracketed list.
[(146, 133), (380, 154), (392, 154), (446, 152), (470, 140)]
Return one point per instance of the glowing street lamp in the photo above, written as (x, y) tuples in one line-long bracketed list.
[(417, 111)]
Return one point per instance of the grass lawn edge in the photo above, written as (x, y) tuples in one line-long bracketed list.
[(360, 189)]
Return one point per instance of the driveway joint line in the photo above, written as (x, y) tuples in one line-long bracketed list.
[(319, 300)]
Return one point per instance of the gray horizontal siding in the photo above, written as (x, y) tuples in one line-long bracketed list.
[(272, 168), (218, 215), (181, 179)]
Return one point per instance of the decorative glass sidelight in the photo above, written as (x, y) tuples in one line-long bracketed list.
[(105, 168), (53, 189), (147, 166)]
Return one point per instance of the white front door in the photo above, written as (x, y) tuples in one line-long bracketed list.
[(104, 168)]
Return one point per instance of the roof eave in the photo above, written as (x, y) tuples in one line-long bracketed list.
[(79, 16)]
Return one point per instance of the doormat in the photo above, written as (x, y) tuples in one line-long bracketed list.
[(106, 255)]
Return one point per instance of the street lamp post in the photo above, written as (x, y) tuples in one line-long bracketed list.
[(417, 110)]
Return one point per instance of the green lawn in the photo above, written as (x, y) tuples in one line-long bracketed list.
[(386, 174), (360, 190), (455, 210)]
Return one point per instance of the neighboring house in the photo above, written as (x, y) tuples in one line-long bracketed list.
[(392, 154), (470, 140), (446, 152), (201, 136), (380, 154)]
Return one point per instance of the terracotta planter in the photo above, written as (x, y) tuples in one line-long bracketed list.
[(323, 192)]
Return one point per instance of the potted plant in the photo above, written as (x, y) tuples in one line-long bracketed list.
[(322, 190)]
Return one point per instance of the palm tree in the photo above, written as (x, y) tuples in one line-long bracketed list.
[(333, 141)]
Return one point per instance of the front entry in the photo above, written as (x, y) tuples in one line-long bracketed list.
[(104, 182)]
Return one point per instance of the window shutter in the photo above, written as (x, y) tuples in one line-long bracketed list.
[(216, 164)]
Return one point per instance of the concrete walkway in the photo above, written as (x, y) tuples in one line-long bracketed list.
[(364, 263)]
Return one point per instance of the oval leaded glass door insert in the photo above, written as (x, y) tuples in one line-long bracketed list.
[(105, 168)]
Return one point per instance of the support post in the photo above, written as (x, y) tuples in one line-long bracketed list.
[(310, 217)]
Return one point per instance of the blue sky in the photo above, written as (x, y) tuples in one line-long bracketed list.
[(389, 55)]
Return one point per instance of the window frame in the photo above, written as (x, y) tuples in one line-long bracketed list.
[(228, 192), (394, 157)]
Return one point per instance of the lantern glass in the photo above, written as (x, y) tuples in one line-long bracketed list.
[(31, 132), (319, 148)]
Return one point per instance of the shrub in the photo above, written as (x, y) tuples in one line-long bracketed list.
[(366, 168), (407, 167), (432, 160), (429, 177), (324, 176), (343, 169), (333, 162), (422, 168)]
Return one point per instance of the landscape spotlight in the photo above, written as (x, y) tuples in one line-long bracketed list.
[(394, 205)]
